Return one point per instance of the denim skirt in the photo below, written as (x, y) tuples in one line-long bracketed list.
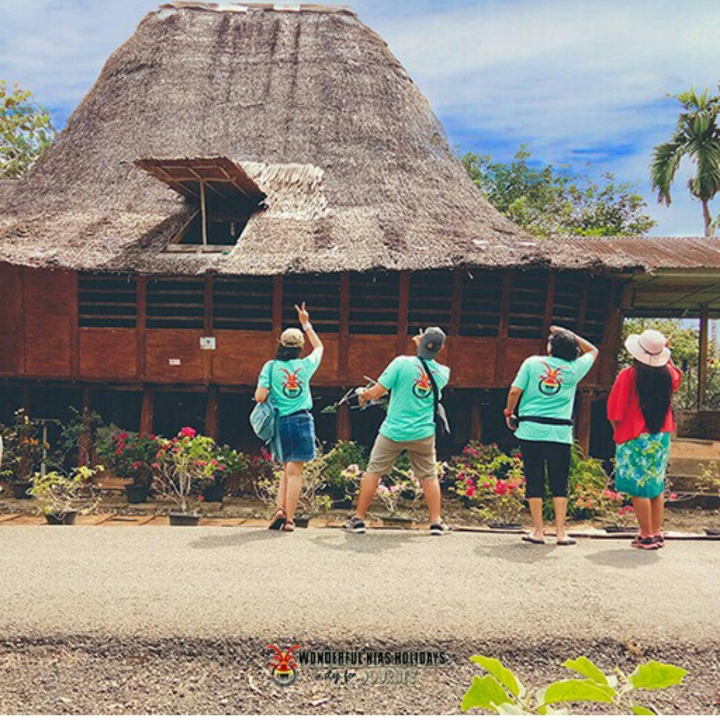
[(297, 436)]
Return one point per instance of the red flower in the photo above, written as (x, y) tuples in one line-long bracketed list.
[(470, 491), (118, 451), (136, 464), (672, 496), (187, 432), (201, 498), (123, 436)]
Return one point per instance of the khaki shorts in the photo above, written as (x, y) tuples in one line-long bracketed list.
[(422, 456)]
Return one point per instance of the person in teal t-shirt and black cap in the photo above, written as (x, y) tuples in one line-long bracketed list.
[(545, 387), (409, 425)]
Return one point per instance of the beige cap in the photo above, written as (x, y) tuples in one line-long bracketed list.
[(292, 337)]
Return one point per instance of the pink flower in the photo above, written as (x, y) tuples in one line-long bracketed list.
[(201, 498), (136, 465), (156, 465), (673, 496), (222, 467), (470, 491), (187, 432)]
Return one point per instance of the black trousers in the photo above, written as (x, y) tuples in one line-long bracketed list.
[(539, 456)]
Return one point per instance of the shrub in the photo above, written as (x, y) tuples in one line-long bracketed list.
[(131, 455), (58, 493), (501, 692), (22, 449)]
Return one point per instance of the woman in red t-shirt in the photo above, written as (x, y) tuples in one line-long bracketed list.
[(642, 419)]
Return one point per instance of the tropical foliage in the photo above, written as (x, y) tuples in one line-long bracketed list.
[(25, 130), (557, 201), (696, 137)]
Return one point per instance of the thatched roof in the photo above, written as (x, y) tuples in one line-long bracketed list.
[(311, 107)]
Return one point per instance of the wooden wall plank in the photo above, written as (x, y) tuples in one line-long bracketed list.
[(141, 326), (344, 328), (50, 306), (107, 353), (403, 309), (11, 345), (164, 346), (503, 327)]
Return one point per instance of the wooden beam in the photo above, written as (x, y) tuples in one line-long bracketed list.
[(146, 411), (549, 305), (208, 324), (503, 327), (703, 357), (85, 445), (475, 417), (403, 310), (277, 306), (140, 326), (74, 327), (584, 294), (212, 414), (584, 416), (612, 335), (344, 328), (203, 212), (344, 423), (21, 325)]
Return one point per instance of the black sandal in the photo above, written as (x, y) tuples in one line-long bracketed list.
[(279, 520)]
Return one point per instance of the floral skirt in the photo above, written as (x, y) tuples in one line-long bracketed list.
[(640, 465)]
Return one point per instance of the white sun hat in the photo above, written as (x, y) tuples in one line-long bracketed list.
[(650, 348)]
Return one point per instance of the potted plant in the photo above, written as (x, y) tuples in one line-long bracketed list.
[(131, 455), (226, 463), (709, 484), (22, 454), (344, 464), (62, 497), (182, 469)]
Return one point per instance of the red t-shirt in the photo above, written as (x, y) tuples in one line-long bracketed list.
[(623, 406)]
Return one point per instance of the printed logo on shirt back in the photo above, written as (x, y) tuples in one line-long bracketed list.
[(550, 382)]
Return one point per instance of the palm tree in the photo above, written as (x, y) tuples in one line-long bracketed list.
[(696, 136)]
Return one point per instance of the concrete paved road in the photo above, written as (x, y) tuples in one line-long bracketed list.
[(320, 583)]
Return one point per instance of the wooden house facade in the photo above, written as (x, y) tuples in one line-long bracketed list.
[(231, 161)]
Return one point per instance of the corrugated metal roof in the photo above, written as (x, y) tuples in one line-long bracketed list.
[(649, 253)]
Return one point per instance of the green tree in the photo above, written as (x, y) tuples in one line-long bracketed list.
[(697, 137), (548, 201), (25, 130)]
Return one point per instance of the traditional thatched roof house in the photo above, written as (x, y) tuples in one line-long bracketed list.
[(231, 160)]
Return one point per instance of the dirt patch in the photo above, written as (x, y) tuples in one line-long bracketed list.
[(179, 676)]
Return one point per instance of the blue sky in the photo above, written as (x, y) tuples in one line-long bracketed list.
[(575, 81)]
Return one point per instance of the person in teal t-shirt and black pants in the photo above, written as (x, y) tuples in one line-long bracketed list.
[(545, 387), (286, 381), (409, 425)]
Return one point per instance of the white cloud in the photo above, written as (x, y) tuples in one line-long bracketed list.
[(571, 79)]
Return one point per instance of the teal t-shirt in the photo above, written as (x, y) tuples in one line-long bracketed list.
[(548, 384), (290, 382), (410, 414)]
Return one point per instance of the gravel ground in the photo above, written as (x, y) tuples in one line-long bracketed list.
[(681, 519), (83, 675)]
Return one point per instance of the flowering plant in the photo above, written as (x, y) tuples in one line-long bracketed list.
[(23, 449), (184, 466), (501, 500), (390, 496), (130, 454), (58, 493)]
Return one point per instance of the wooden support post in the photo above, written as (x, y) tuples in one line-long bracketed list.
[(584, 416), (208, 325), (85, 445), (401, 340), (74, 322), (277, 306), (454, 329), (212, 412), (140, 326), (503, 328), (549, 307), (612, 335), (344, 423), (21, 334), (475, 417), (584, 295), (344, 329), (146, 412), (203, 213), (703, 356)]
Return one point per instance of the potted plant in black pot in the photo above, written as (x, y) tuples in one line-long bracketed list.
[(227, 463), (183, 469), (131, 455), (709, 485), (63, 496), (22, 454)]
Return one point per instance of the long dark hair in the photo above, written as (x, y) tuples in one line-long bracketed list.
[(287, 353), (654, 388)]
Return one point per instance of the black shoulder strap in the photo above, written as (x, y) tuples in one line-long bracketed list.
[(436, 394)]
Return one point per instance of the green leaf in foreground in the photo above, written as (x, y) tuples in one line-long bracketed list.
[(485, 692), (500, 673), (640, 710), (655, 676), (588, 669), (509, 709), (578, 691)]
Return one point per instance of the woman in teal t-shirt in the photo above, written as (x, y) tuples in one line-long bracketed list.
[(545, 387), (286, 381)]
